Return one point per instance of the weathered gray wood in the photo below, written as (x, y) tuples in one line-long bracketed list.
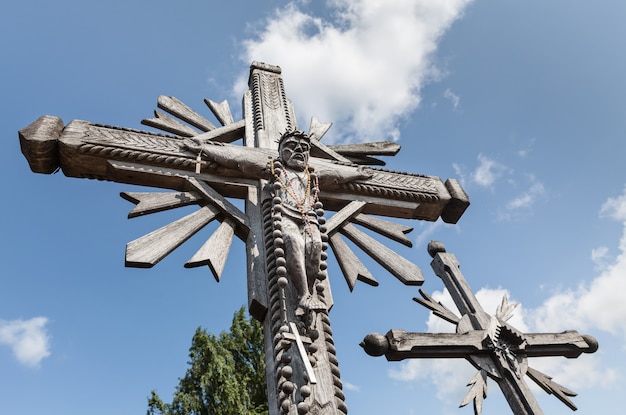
[(380, 148), (568, 343), (221, 111), (303, 354), (552, 388), (321, 150), (437, 308), (237, 216), (166, 123), (87, 150), (180, 110), (318, 129), (226, 134), (351, 267), (447, 267), (256, 255), (391, 230), (146, 251), (405, 345), (151, 202), (215, 250), (40, 145), (477, 393), (366, 161), (407, 272), (342, 217), (489, 343), (459, 201), (226, 171)]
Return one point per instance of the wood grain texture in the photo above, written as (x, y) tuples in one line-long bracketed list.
[(342, 217), (407, 272), (391, 230), (221, 111), (183, 112), (39, 143), (379, 148), (151, 202), (215, 250), (166, 123), (148, 250), (228, 209), (351, 266)]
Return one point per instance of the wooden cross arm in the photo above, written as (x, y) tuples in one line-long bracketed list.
[(83, 149), (568, 343), (399, 344)]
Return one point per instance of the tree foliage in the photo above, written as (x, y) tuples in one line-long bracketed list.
[(226, 374)]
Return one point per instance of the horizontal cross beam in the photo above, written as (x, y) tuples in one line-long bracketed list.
[(82, 149)]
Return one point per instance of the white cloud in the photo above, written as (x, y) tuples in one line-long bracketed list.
[(599, 304), (452, 97), (364, 69), (488, 171), (599, 256), (28, 339), (615, 207), (351, 387), (527, 198), (523, 202)]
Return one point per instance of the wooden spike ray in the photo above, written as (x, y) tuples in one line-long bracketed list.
[(166, 123), (391, 230), (549, 386), (437, 308), (226, 134), (148, 250), (378, 148), (318, 129), (221, 111), (215, 250), (407, 272), (241, 221), (366, 161), (351, 266), (321, 150), (341, 218), (181, 111), (152, 202)]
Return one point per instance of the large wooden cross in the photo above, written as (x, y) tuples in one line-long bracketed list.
[(494, 347), (199, 165)]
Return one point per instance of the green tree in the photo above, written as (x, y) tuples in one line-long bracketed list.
[(226, 374)]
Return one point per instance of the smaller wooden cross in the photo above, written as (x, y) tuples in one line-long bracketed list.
[(494, 347)]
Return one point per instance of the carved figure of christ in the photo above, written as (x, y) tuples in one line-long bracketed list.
[(223, 171)]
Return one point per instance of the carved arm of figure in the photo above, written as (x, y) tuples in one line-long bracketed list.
[(253, 163), (331, 174)]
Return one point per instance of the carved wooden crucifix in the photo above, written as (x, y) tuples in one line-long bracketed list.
[(494, 347), (287, 178)]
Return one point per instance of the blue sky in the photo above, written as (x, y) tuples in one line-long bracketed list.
[(523, 102)]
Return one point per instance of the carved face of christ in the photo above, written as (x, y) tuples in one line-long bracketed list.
[(294, 152)]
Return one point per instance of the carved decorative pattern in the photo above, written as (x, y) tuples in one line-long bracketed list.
[(284, 352), (112, 136), (403, 181), (390, 193), (271, 88), (257, 108), (134, 145)]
